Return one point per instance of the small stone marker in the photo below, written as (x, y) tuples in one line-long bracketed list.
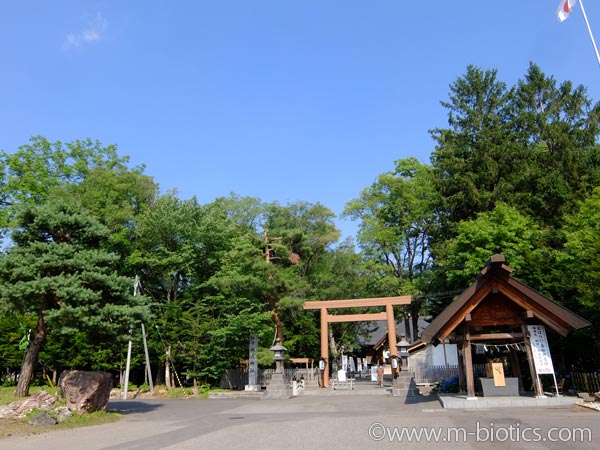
[(42, 419)]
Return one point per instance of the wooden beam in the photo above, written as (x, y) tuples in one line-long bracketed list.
[(462, 379), (527, 314), (357, 317), (358, 302), (544, 316), (459, 316), (516, 367), (495, 336), (469, 367)]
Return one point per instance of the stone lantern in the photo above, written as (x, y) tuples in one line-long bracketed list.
[(403, 351), (279, 355), (278, 387)]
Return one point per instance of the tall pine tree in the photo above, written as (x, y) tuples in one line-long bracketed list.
[(58, 270)]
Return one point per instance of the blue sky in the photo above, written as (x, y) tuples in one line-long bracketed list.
[(284, 100)]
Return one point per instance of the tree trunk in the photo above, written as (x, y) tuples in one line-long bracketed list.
[(333, 351), (31, 358), (408, 335), (278, 326), (415, 327), (168, 368), (159, 375)]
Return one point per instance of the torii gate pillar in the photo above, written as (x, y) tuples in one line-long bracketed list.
[(326, 319)]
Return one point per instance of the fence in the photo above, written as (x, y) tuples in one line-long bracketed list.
[(431, 374), (585, 382), (238, 378)]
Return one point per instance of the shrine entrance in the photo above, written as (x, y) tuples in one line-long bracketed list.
[(326, 319)]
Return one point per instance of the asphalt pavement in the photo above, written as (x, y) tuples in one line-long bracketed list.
[(348, 422)]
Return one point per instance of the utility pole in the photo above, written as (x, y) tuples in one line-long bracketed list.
[(148, 370), (136, 290), (126, 381)]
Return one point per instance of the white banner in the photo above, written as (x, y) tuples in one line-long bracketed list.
[(540, 349), (351, 366)]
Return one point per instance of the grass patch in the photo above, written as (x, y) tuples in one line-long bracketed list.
[(7, 393), (162, 391), (20, 427), (86, 420)]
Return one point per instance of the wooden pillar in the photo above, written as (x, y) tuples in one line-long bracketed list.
[(469, 367), (391, 326), (539, 392), (325, 346), (462, 382), (516, 368)]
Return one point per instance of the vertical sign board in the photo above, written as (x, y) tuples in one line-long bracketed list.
[(252, 360), (498, 374), (540, 349), (541, 352)]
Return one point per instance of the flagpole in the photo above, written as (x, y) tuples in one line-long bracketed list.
[(590, 31)]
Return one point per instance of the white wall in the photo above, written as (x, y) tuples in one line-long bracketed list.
[(437, 355)]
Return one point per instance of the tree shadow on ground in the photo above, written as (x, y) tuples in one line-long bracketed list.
[(132, 406)]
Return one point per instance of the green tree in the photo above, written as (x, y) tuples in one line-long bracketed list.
[(266, 276), (34, 172), (57, 270), (297, 238), (239, 303), (532, 146), (472, 155), (578, 275), (116, 197), (177, 247), (15, 330), (556, 127), (503, 230), (397, 217)]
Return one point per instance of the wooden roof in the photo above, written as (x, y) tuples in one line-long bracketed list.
[(494, 284)]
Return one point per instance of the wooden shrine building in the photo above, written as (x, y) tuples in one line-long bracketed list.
[(495, 311)]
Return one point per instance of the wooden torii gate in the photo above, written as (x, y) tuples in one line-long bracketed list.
[(327, 318)]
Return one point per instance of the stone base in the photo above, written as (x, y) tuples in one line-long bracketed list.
[(278, 388), (398, 392), (405, 386), (253, 387)]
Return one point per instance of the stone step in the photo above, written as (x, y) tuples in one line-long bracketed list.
[(400, 392), (236, 394)]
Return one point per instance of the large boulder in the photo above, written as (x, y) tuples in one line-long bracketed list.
[(85, 392)]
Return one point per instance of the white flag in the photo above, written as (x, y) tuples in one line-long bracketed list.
[(564, 9)]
